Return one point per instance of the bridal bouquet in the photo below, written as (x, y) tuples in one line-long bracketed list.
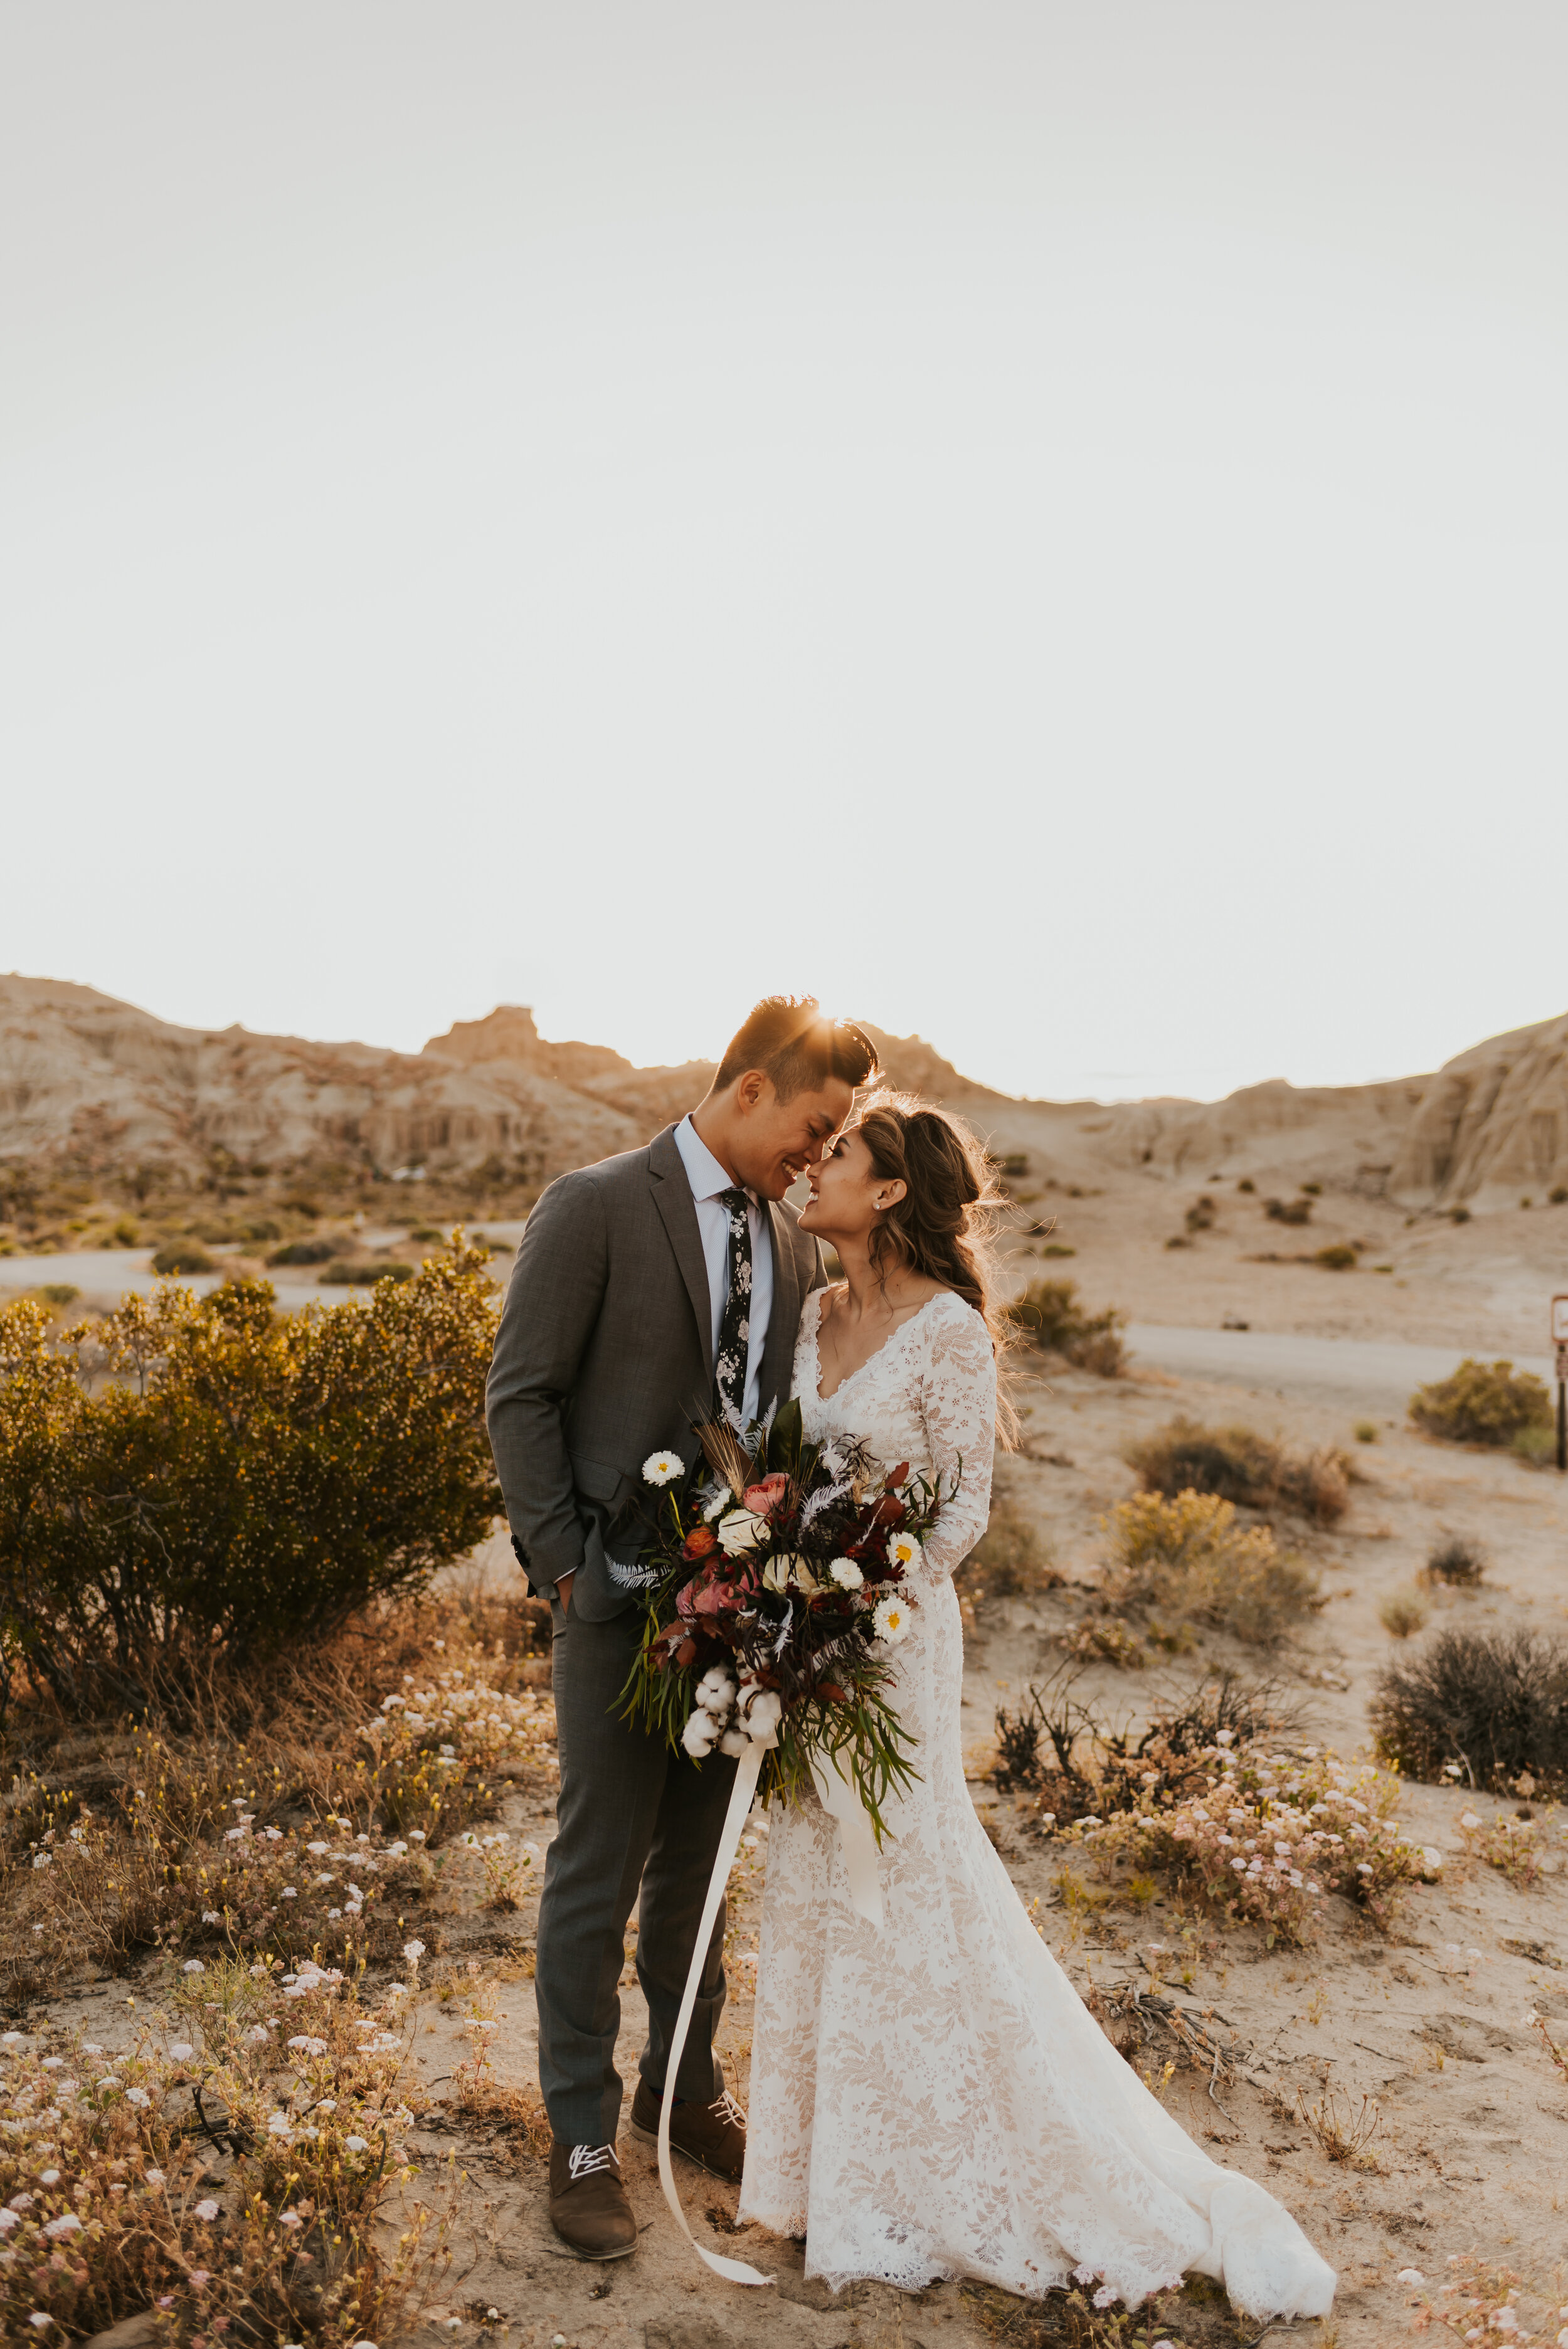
[(772, 1575)]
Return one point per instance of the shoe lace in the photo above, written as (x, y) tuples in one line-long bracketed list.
[(587, 2160), (725, 2109)]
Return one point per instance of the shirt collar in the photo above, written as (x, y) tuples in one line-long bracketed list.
[(704, 1173)]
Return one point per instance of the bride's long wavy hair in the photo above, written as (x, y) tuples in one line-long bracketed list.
[(944, 1225)]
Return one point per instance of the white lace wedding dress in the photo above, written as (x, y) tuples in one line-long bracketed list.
[(934, 2100)]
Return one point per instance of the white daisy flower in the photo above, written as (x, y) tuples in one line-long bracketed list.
[(663, 1467), (846, 1573), (890, 1617), (903, 1549)]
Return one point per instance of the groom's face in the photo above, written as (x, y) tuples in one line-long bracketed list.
[(772, 1142)]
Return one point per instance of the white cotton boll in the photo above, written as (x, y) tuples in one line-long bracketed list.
[(697, 1736), (734, 1741), (761, 1710)]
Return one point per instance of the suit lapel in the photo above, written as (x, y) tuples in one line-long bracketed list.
[(784, 1316), (677, 1211)]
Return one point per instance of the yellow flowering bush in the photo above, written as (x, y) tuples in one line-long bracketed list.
[(1188, 1556)]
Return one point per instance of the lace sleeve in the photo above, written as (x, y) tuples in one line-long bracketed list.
[(958, 1397)]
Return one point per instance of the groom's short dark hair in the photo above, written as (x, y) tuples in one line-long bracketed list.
[(792, 1041)]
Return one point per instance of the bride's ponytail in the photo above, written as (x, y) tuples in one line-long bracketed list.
[(943, 1224)]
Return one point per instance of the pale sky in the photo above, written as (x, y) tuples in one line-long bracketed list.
[(1042, 524)]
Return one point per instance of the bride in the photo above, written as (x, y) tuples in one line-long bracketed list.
[(934, 2100)]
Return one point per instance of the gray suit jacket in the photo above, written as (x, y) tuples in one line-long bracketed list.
[(605, 1354)]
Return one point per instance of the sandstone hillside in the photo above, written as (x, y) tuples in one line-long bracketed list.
[(97, 1086)]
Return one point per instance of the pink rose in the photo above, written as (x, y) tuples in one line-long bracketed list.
[(764, 1498)]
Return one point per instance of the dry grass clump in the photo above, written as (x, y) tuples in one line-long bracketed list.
[(1401, 1615), (1048, 1315), (1460, 1563), (104, 2160), (1484, 1402), (1190, 1557), (1345, 2131), (1484, 1706), (1240, 1466), (1012, 1560)]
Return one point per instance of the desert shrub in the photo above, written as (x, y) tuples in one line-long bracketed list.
[(1261, 1834), (1199, 1217), (1057, 1248), (1401, 1615), (1051, 1316), (1238, 1464), (1012, 1558), (1337, 1258), (1537, 1445), (59, 1292), (1488, 1705), (107, 2206), (124, 1232), (1288, 1211), (1364, 1431), (1559, 1194), (424, 1232), (241, 1480), (1458, 1214), (1313, 1190), (181, 1255), (345, 1273), (1482, 1403), (304, 1252), (1246, 1184), (1458, 1562), (1188, 1555)]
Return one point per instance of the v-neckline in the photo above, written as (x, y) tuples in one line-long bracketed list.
[(892, 1339)]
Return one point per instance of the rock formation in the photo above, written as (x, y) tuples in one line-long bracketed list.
[(1492, 1125), (99, 1087)]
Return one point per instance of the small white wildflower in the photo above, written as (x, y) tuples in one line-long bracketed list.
[(846, 1573), (206, 2210), (663, 1467), (48, 2177), (412, 1951), (193, 1966), (356, 2144), (152, 2177), (181, 2051), (903, 1549), (67, 2223), (140, 2098)]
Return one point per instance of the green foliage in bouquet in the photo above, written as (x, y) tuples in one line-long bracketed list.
[(772, 1573)]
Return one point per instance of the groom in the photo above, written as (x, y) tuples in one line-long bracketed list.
[(650, 1290)]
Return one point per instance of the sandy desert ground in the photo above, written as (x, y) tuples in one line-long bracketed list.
[(1470, 2152)]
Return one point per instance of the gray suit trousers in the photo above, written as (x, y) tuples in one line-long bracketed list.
[(630, 1810)]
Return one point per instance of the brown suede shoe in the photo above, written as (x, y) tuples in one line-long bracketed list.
[(588, 2205), (713, 2136)]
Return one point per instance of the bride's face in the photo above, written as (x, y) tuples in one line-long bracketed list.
[(847, 1192)]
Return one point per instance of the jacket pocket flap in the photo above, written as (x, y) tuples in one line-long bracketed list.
[(596, 1478)]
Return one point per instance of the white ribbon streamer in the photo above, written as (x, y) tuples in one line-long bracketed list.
[(747, 1771), (857, 1838)]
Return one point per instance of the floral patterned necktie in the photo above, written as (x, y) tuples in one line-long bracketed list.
[(735, 1322)]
